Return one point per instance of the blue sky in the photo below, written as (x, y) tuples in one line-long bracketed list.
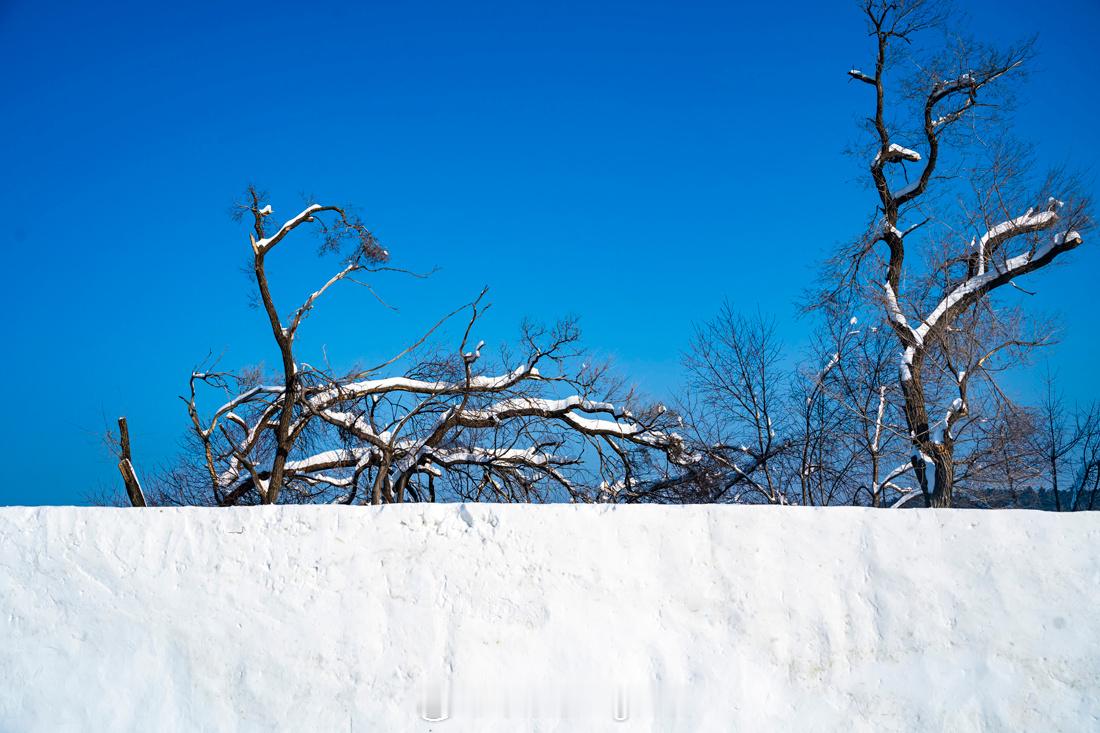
[(634, 164)]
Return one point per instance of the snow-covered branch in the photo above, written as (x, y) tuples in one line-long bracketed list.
[(993, 274), (894, 153), (860, 76), (263, 245)]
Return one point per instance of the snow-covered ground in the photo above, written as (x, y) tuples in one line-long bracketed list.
[(676, 618)]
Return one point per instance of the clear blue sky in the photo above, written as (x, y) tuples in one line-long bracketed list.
[(631, 163)]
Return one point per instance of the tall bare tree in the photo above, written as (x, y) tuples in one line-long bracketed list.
[(915, 125)]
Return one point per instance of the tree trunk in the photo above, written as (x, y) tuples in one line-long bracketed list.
[(945, 482), (935, 470), (126, 466), (938, 483)]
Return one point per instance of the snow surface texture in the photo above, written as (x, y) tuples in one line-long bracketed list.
[(548, 618)]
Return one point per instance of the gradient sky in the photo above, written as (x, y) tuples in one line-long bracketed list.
[(631, 163)]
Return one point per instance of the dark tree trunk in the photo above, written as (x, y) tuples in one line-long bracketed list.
[(126, 466), (944, 473)]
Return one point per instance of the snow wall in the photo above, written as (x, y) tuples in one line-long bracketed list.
[(566, 618)]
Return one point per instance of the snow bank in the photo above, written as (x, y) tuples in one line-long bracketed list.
[(676, 618)]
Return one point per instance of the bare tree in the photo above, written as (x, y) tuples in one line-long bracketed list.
[(1015, 233), (818, 436), (1068, 450), (539, 424), (823, 426), (736, 410), (859, 382)]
